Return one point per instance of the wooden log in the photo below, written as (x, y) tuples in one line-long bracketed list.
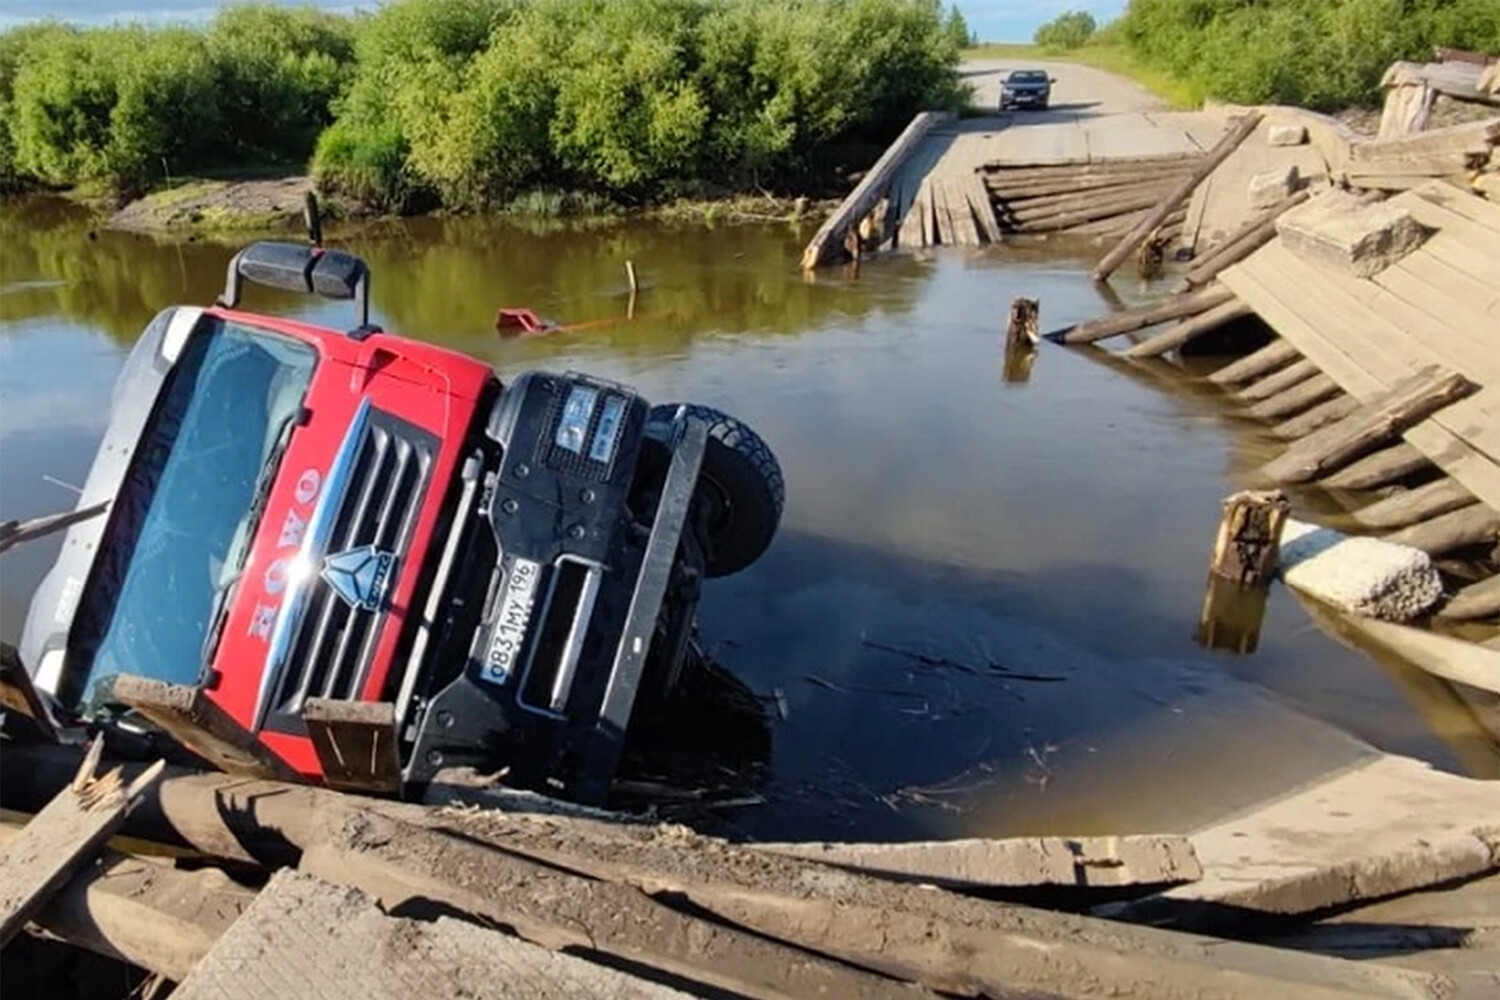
[(1386, 466), (304, 937), (400, 865), (982, 208), (1252, 366), (1242, 243), (1277, 382), (186, 713), (1231, 616), (1477, 600), (157, 917), (1073, 197), (1476, 524), (1022, 191), (63, 837), (1179, 193), (1440, 655), (356, 743), (1173, 307), (1249, 537), (1300, 397), (1190, 329), (830, 236), (1410, 506), (1321, 415), (1055, 222), (1087, 170), (1407, 403)]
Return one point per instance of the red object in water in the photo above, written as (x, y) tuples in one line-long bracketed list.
[(522, 322)]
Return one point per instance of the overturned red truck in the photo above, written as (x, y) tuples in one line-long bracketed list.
[(298, 512)]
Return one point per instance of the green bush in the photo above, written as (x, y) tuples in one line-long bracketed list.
[(1322, 55), (1066, 31)]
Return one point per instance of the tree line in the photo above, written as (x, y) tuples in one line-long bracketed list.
[(474, 103)]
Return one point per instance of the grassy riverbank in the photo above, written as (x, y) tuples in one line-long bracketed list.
[(479, 104)]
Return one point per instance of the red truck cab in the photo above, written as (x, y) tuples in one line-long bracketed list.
[(299, 512)]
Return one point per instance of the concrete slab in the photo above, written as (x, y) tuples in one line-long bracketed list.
[(1383, 827), (1143, 859), (1341, 232), (1286, 134), (1365, 576), (1271, 186)]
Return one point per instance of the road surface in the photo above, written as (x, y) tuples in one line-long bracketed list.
[(1077, 88)]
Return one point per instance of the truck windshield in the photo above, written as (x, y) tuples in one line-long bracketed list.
[(181, 513)]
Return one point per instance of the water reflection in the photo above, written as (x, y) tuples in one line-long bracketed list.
[(988, 532)]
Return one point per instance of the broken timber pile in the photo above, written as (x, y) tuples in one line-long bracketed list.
[(393, 900), (1092, 198)]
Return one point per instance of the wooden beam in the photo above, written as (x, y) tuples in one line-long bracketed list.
[(1476, 524), (1241, 243), (1410, 506), (1405, 405), (1179, 193), (356, 743), (1267, 359), (19, 694), (1190, 329), (186, 713), (830, 236), (62, 838), (1381, 468), (1174, 307)]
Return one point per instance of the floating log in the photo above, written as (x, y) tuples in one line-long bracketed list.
[(1173, 307), (1381, 468), (1243, 242), (871, 188), (1277, 382), (63, 837), (1476, 524), (1179, 193), (1410, 506), (1249, 537), (1405, 405), (1477, 600), (1319, 416), (1298, 398), (1190, 329), (160, 918), (1252, 366)]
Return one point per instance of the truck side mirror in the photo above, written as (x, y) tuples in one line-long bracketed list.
[(332, 274)]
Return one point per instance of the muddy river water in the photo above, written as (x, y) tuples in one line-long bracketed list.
[(1058, 527)]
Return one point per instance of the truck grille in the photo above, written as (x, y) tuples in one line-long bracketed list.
[(334, 644)]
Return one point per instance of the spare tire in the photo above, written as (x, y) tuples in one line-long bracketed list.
[(741, 480)]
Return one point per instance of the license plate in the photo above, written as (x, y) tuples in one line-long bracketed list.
[(511, 624)]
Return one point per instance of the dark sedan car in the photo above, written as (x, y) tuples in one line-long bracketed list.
[(1025, 88)]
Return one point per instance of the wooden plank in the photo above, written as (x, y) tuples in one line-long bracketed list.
[(355, 742), (62, 838), (186, 713), (398, 864), (1181, 191), (1482, 296), (1267, 359), (303, 937), (910, 234), (1300, 397), (1409, 506), (942, 212), (982, 207), (1172, 307), (1335, 446), (830, 236), (976, 863), (1453, 137)]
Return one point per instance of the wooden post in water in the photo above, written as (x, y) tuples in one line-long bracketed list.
[(1239, 575), (634, 288), (1021, 338)]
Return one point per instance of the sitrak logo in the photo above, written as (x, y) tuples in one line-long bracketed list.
[(360, 576)]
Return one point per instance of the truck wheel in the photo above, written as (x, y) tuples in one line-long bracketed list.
[(742, 481)]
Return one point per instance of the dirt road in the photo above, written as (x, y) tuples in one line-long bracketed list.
[(1077, 88)]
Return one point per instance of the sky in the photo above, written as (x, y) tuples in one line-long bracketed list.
[(990, 20)]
